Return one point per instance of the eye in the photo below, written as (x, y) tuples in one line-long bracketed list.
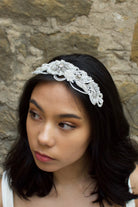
[(34, 115), (66, 126)]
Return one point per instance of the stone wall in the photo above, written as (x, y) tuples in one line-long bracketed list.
[(34, 31)]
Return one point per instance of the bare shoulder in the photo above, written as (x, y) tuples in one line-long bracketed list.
[(134, 183), (0, 195), (134, 180)]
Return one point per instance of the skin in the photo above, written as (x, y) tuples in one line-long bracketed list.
[(57, 126)]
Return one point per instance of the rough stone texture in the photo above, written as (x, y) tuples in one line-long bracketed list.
[(131, 108), (34, 31), (134, 52), (5, 54), (64, 11), (120, 1), (60, 42), (127, 90), (129, 96)]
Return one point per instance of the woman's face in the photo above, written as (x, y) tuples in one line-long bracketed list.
[(58, 128)]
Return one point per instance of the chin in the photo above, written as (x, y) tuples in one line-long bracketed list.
[(46, 168)]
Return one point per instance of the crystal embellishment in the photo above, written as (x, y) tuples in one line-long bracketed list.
[(62, 70)]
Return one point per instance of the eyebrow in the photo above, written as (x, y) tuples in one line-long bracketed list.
[(60, 115), (36, 104), (69, 116)]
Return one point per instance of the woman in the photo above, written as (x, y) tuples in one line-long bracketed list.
[(73, 147)]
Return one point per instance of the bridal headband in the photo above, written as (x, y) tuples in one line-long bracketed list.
[(62, 70)]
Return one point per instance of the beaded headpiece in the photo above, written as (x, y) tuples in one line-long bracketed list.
[(62, 70)]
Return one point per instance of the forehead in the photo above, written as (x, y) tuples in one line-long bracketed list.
[(56, 95)]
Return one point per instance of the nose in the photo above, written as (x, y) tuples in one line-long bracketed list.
[(46, 135)]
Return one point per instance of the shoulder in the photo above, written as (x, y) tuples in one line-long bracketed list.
[(0, 194), (134, 182)]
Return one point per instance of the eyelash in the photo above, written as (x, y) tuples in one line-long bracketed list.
[(61, 124), (68, 125), (33, 114)]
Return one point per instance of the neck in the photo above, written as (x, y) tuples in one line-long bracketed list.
[(72, 174), (74, 179)]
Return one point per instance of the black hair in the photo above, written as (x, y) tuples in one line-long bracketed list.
[(112, 155)]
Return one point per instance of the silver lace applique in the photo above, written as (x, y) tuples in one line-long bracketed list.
[(62, 70)]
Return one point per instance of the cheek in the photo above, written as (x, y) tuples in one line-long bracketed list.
[(30, 129), (75, 148)]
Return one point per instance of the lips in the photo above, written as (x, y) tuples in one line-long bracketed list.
[(42, 157)]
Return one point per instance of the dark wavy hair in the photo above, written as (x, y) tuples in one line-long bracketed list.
[(112, 155)]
